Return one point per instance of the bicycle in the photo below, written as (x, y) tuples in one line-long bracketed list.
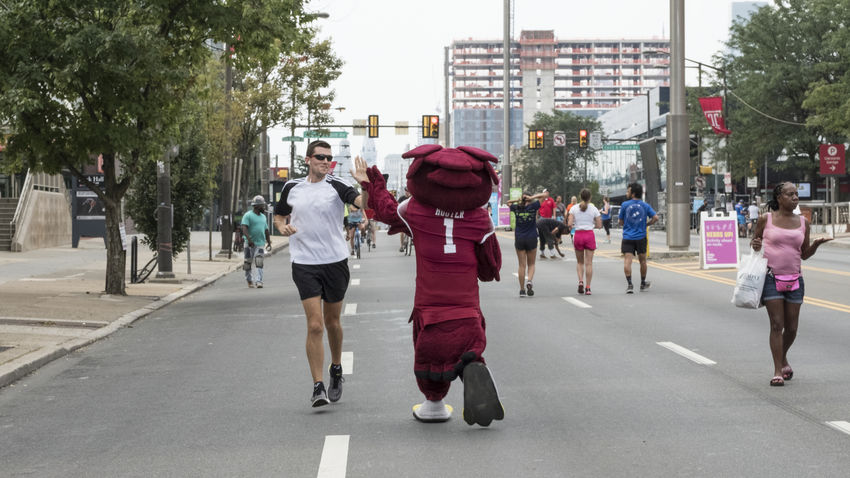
[(367, 232)]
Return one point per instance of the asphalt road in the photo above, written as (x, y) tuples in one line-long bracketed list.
[(217, 384)]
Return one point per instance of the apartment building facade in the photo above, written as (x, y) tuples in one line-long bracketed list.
[(586, 77)]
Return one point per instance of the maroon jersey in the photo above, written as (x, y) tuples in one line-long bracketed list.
[(446, 261)]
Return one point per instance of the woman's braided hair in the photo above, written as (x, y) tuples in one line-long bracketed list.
[(773, 204)]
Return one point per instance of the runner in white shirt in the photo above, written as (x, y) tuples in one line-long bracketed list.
[(310, 212), (585, 218)]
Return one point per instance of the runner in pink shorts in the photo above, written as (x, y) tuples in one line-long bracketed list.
[(585, 217)]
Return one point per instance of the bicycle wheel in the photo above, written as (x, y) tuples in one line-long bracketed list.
[(357, 244)]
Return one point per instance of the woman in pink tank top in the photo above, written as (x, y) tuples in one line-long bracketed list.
[(785, 238)]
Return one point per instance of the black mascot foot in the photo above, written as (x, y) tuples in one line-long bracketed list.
[(481, 403)]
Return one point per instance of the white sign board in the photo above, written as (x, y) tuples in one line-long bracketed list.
[(595, 140), (559, 139), (753, 182)]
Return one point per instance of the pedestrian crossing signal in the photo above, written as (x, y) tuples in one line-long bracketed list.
[(373, 126), (582, 138), (535, 139), (430, 126)]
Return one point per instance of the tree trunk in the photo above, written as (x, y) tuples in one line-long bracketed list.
[(116, 256)]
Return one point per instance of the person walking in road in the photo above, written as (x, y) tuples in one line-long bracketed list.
[(549, 232), (547, 206), (309, 212), (525, 239), (785, 239), (752, 217), (255, 228), (635, 217), (584, 218), (573, 201), (560, 210), (605, 214)]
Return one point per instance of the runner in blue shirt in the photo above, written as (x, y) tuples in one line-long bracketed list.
[(525, 238), (635, 217)]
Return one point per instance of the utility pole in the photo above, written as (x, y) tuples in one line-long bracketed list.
[(447, 118), (164, 217), (678, 181), (226, 165), (506, 93)]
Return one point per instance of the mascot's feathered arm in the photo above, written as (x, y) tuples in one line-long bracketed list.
[(489, 259), (382, 202)]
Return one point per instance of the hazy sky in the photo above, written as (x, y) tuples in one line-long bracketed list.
[(393, 49)]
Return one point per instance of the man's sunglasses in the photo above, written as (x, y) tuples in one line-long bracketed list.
[(323, 157)]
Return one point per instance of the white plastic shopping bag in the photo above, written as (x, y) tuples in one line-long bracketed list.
[(751, 275)]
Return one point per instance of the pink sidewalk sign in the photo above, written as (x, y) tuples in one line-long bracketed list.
[(719, 242)]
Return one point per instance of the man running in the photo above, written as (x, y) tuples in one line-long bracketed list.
[(309, 212), (635, 217)]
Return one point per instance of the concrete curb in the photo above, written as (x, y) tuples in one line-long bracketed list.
[(22, 366)]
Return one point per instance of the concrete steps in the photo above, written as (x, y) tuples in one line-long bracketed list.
[(7, 213)]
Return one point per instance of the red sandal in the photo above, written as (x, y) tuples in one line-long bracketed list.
[(777, 381), (787, 372)]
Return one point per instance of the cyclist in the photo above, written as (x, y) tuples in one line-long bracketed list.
[(355, 224), (370, 225)]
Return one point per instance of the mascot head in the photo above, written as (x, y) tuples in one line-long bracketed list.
[(451, 179)]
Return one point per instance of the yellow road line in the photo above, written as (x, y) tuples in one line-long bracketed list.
[(827, 271)]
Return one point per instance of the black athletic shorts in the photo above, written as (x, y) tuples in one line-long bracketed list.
[(525, 243), (330, 281), (633, 246)]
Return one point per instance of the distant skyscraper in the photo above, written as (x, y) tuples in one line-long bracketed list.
[(368, 151), (344, 162)]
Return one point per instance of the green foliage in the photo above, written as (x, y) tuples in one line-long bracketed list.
[(189, 193), (559, 169), (777, 57), (92, 77)]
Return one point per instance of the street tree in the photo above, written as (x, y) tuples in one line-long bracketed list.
[(87, 78), (829, 97), (263, 98), (772, 62), (556, 168)]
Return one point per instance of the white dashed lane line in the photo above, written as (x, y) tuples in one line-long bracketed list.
[(347, 363), (350, 309), (334, 457), (577, 303), (355, 281), (356, 266), (693, 356), (841, 426)]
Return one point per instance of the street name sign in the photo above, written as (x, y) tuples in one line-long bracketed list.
[(296, 139), (832, 159), (621, 147), (325, 134)]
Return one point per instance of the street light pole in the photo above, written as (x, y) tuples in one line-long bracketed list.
[(506, 93), (678, 183)]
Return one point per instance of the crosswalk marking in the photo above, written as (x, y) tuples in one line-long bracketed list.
[(355, 281), (334, 457), (356, 266), (350, 309), (577, 303), (347, 363), (693, 356)]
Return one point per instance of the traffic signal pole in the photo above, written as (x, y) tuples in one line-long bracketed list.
[(678, 148)]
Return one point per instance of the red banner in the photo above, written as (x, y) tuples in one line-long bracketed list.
[(712, 108)]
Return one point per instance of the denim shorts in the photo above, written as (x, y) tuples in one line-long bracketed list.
[(769, 291)]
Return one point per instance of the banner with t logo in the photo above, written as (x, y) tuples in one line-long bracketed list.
[(712, 108)]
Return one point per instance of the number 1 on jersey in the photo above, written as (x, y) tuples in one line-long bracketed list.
[(449, 246)]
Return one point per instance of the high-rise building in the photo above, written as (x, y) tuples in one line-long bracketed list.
[(587, 77)]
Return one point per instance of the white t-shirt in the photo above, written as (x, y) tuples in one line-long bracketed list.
[(316, 211), (753, 211), (584, 220)]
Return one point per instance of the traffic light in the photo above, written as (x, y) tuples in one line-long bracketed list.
[(706, 170), (753, 168), (535, 138), (373, 126), (430, 126), (582, 138)]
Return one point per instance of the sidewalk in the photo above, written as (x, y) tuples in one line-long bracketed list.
[(53, 302)]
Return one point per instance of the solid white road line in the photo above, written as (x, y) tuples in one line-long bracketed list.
[(355, 281), (334, 457), (356, 266), (841, 426), (687, 353), (347, 363), (577, 303), (350, 309)]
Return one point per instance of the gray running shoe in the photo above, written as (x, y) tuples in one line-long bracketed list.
[(521, 293), (259, 285), (529, 290), (646, 285), (320, 398), (250, 285), (335, 390), (630, 289)]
